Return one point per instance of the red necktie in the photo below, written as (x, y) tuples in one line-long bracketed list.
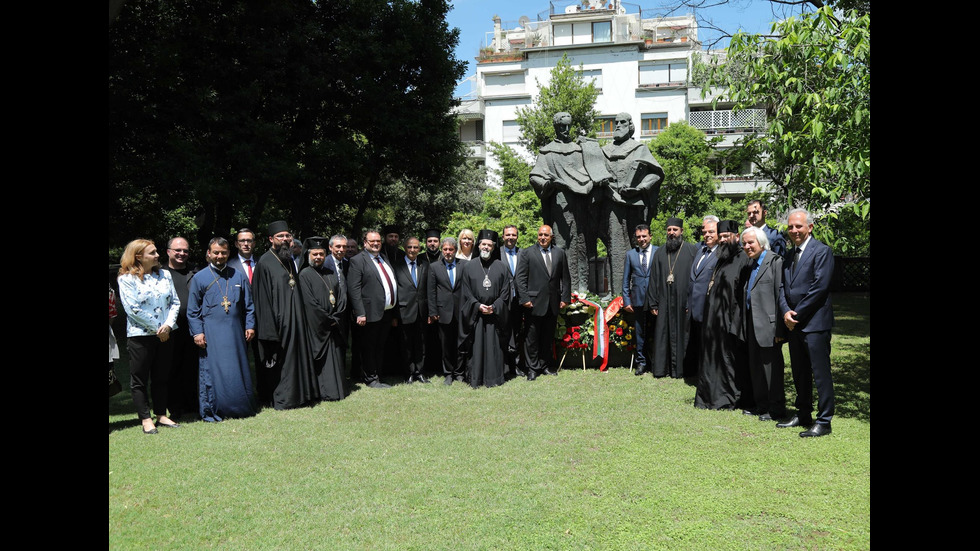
[(248, 264)]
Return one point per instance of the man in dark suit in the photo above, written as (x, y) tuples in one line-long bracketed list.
[(338, 263), (759, 324), (412, 275), (543, 287), (374, 298), (516, 328), (697, 290), (636, 277), (445, 290), (805, 306), (757, 213)]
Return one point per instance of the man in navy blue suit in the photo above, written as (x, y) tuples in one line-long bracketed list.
[(636, 276), (697, 291), (805, 306), (757, 213)]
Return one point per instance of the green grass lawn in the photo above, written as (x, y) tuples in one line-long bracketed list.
[(585, 460)]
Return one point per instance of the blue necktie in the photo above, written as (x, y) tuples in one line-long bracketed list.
[(414, 279), (449, 269)]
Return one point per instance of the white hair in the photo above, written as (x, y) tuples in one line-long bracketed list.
[(760, 236)]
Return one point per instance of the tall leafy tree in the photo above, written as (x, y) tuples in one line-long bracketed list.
[(567, 90), (814, 78), (689, 186), (240, 112)]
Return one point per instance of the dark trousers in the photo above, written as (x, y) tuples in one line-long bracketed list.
[(452, 360), (149, 362), (374, 335), (433, 348), (539, 346), (809, 355), (643, 325), (412, 342), (766, 371), (184, 393), (516, 335)]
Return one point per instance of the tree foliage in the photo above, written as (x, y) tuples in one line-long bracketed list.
[(567, 90), (689, 185), (814, 78), (242, 112)]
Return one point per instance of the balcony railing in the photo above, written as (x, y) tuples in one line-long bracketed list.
[(722, 122)]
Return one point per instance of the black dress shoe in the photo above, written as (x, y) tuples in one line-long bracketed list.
[(765, 417), (173, 426), (421, 378), (520, 373), (550, 372), (151, 431), (748, 412), (459, 379), (532, 375), (816, 430), (640, 371), (793, 421), (448, 381), (378, 384)]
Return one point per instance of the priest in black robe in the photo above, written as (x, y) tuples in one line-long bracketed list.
[(325, 305), (716, 378), (670, 276), (284, 370), (483, 311)]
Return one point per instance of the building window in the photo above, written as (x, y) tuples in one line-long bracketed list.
[(652, 124), (607, 125), (602, 31), (662, 74), (595, 75), (582, 33), (511, 132), (501, 84)]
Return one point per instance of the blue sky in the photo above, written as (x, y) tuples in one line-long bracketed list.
[(475, 18)]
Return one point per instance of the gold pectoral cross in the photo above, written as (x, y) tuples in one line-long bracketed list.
[(225, 303)]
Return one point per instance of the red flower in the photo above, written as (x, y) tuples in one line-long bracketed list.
[(619, 331), (567, 338), (576, 336)]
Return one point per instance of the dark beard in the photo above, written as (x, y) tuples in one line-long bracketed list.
[(727, 251), (284, 253), (673, 243)]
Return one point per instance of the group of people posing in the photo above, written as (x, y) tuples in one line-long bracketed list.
[(720, 311), (303, 305), (471, 312)]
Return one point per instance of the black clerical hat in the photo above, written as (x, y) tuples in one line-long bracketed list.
[(315, 242), (390, 228), (487, 234), (729, 226), (278, 226), (679, 222), (432, 233)]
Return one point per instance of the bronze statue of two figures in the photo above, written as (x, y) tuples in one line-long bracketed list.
[(589, 193)]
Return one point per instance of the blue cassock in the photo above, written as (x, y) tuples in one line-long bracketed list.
[(225, 382)]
